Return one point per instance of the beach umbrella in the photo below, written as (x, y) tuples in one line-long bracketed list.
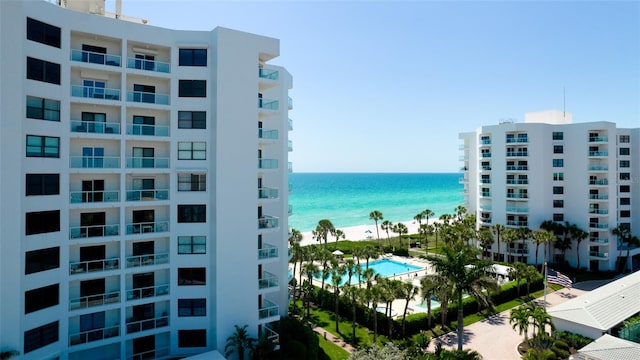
[(338, 252)]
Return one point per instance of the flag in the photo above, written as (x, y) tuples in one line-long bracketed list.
[(555, 277)]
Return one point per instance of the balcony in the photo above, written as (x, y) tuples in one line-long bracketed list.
[(94, 335), (272, 336), (598, 168), (267, 104), (482, 194), (517, 196), (267, 193), (599, 211), (267, 251), (520, 223), (485, 220), (92, 127), (290, 124), (95, 58), (463, 180), (598, 153), (147, 162), (157, 353), (598, 254), (517, 181), (147, 97), (84, 302), (147, 195), (485, 168), (598, 197), (516, 251), (518, 140), (267, 222), (290, 210), (147, 292), (517, 209), (289, 145), (517, 153), (485, 141), (598, 226), (598, 139), (267, 163), (599, 240), (268, 310), (93, 92), (485, 181), (148, 65), (599, 182), (147, 227), (82, 267), (94, 231), (289, 102), (290, 167), (463, 158), (134, 326), (147, 260), (485, 155), (517, 168), (77, 197), (267, 281), (147, 130), (94, 162), (267, 134), (268, 74)]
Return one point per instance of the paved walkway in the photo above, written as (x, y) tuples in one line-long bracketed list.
[(334, 339)]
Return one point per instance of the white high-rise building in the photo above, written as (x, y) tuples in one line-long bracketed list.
[(548, 168), (144, 184)]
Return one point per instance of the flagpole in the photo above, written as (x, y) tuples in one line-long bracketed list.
[(545, 284)]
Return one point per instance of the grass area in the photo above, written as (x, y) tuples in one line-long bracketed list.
[(332, 350), (326, 320)]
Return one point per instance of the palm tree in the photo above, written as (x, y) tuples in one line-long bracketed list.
[(437, 227), (540, 319), (338, 234), (542, 237), (524, 234), (409, 292), (324, 256), (452, 267), (519, 318), (578, 235), (530, 275), (627, 240), (354, 294), (374, 295), (376, 216), (563, 241), (323, 229), (8, 354), (311, 270), (460, 212), (294, 242), (238, 342), (427, 289), (369, 252), (509, 236), (497, 229), (517, 272), (386, 226), (337, 271), (263, 347), (351, 267), (427, 213), (390, 292), (485, 237), (425, 230), (400, 229), (305, 255)]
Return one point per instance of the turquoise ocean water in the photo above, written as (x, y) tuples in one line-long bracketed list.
[(347, 198)]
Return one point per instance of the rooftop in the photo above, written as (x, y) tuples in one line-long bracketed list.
[(610, 347)]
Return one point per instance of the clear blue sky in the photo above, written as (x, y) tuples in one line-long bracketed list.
[(386, 86)]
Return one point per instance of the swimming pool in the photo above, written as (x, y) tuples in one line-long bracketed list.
[(384, 267)]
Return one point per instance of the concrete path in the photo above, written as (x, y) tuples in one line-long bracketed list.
[(334, 339)]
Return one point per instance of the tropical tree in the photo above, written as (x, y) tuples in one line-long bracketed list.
[(530, 274), (563, 241), (369, 252), (516, 272), (542, 237), (339, 234), (452, 267), (409, 292), (374, 296), (311, 270), (540, 319), (627, 240), (424, 230), (437, 228), (497, 230), (355, 295), (351, 268), (389, 352), (400, 229), (239, 342), (460, 212), (428, 214), (305, 254), (509, 236), (524, 234), (578, 235), (294, 242), (428, 287), (323, 229), (325, 257), (389, 291), (387, 226), (8, 354), (520, 318), (485, 237), (337, 271), (263, 347), (376, 216)]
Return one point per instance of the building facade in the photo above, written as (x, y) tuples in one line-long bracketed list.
[(144, 184), (550, 169)]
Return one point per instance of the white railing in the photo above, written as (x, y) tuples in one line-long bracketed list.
[(94, 335), (147, 260), (84, 302), (147, 227), (81, 267), (94, 231), (149, 291)]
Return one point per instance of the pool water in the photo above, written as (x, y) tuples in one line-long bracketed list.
[(384, 267)]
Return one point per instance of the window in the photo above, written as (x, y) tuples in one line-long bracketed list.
[(625, 213), (192, 151), (558, 162), (192, 182), (40, 222), (192, 213), (43, 146), (43, 109), (192, 276), (41, 298), (144, 125), (558, 176), (192, 307), (192, 88), (192, 338), (625, 163), (558, 217), (41, 260), (625, 201), (558, 203), (558, 149), (43, 33), (42, 184), (625, 188), (624, 151), (144, 93), (558, 135), (89, 322), (192, 244), (41, 70), (192, 57), (145, 62), (625, 139), (192, 119), (558, 190), (625, 176), (41, 336)]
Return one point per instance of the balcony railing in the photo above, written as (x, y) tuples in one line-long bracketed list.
[(267, 104), (290, 167), (485, 168), (135, 326), (94, 335), (76, 197), (84, 302), (599, 211), (267, 163), (598, 168), (517, 196), (267, 222), (95, 58), (268, 74), (598, 197), (147, 130), (598, 139), (289, 145), (485, 181), (598, 153), (485, 220), (517, 167), (147, 292), (82, 267), (147, 260), (482, 194), (485, 141), (93, 162), (93, 127), (157, 353), (268, 309), (268, 251), (599, 182), (520, 223), (290, 123), (149, 65), (94, 231), (517, 153), (485, 155), (599, 240), (517, 182), (599, 254), (147, 162), (93, 92), (289, 102), (517, 209), (267, 193), (267, 134), (598, 226), (147, 227), (268, 280), (519, 251), (518, 140), (147, 195), (272, 335), (147, 97), (290, 209)]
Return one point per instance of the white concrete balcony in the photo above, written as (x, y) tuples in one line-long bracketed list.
[(517, 182), (147, 130), (94, 162), (147, 163), (93, 127), (94, 335), (267, 193), (267, 222), (268, 104), (147, 195), (95, 57), (599, 211), (267, 251), (517, 168), (82, 267), (517, 196), (485, 181), (599, 182), (598, 226), (267, 281), (517, 209), (268, 311), (598, 139), (272, 335), (598, 153), (147, 227), (147, 260), (84, 302), (95, 92), (148, 292), (517, 153), (289, 145), (78, 232), (289, 102), (267, 163), (598, 197), (485, 155), (135, 326), (599, 254), (290, 124), (149, 65), (599, 240), (157, 353), (77, 197), (147, 97), (519, 223), (267, 134), (290, 167)]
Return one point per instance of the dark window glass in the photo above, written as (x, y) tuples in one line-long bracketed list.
[(192, 338), (558, 203), (42, 222), (558, 135), (41, 298), (625, 139), (43, 146), (558, 190), (192, 150), (558, 176), (40, 336), (192, 213), (558, 162), (192, 244), (192, 276), (43, 71), (625, 188), (43, 184), (43, 33), (192, 182), (192, 119), (625, 213), (625, 163), (624, 151), (625, 201), (192, 88), (192, 57), (558, 149), (192, 307), (625, 176), (41, 260), (558, 217), (43, 109)]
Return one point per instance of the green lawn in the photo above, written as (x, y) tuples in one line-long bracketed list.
[(332, 350)]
